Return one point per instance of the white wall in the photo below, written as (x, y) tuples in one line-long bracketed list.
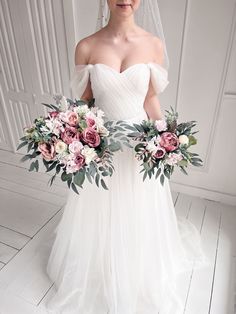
[(37, 59)]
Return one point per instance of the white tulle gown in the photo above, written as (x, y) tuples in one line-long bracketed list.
[(119, 251)]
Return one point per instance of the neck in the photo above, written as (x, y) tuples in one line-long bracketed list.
[(120, 26)]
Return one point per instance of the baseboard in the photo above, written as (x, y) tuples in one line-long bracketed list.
[(204, 193)]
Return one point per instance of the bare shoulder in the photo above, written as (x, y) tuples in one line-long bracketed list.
[(157, 48), (82, 51), (155, 45), (84, 47)]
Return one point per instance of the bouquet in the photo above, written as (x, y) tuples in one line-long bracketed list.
[(73, 140), (164, 144)]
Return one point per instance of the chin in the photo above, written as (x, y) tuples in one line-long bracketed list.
[(123, 8)]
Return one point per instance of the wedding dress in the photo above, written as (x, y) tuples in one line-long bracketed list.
[(118, 251)]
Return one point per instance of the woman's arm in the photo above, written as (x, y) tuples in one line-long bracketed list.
[(82, 51), (151, 104)]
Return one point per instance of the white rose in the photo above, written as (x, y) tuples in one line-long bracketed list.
[(60, 147), (151, 147), (89, 153), (103, 131), (54, 126), (100, 113), (75, 146), (82, 110), (99, 122), (183, 139), (91, 115)]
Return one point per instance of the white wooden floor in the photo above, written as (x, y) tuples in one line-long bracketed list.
[(30, 210)]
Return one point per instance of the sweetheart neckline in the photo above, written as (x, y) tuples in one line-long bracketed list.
[(125, 70)]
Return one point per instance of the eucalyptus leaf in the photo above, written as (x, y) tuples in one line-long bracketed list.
[(74, 188), (36, 165), (145, 175), (32, 166), (21, 145), (97, 178), (52, 166), (162, 179), (119, 134), (158, 173), (127, 144), (88, 176), (52, 180), (104, 184), (79, 178), (183, 170), (69, 183), (66, 176), (26, 157)]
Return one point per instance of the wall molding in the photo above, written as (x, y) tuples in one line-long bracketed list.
[(182, 53), (221, 93), (205, 193)]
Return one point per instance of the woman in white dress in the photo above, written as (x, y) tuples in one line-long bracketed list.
[(120, 251)]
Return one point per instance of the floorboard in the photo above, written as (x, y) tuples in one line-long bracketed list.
[(29, 213)]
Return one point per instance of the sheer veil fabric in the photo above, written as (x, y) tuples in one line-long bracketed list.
[(120, 251)]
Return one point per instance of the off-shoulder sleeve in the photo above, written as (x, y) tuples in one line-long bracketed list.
[(159, 77), (79, 79)]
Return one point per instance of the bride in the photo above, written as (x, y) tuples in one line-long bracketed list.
[(119, 251)]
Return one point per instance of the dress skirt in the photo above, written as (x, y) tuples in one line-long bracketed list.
[(119, 251)]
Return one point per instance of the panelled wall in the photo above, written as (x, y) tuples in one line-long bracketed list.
[(37, 40), (201, 43), (205, 76), (34, 62)]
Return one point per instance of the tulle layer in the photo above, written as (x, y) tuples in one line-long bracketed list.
[(119, 251)]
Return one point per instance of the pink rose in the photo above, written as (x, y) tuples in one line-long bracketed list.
[(47, 150), (72, 118), (90, 137), (53, 114), (90, 122), (160, 153), (169, 141), (69, 135), (79, 161), (74, 163)]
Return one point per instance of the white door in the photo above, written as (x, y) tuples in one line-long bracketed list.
[(34, 63)]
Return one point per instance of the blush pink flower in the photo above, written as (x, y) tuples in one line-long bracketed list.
[(75, 146), (53, 114), (72, 118), (47, 150), (74, 163), (173, 159), (90, 137), (69, 135), (79, 161), (160, 125), (160, 153), (90, 122), (169, 141)]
